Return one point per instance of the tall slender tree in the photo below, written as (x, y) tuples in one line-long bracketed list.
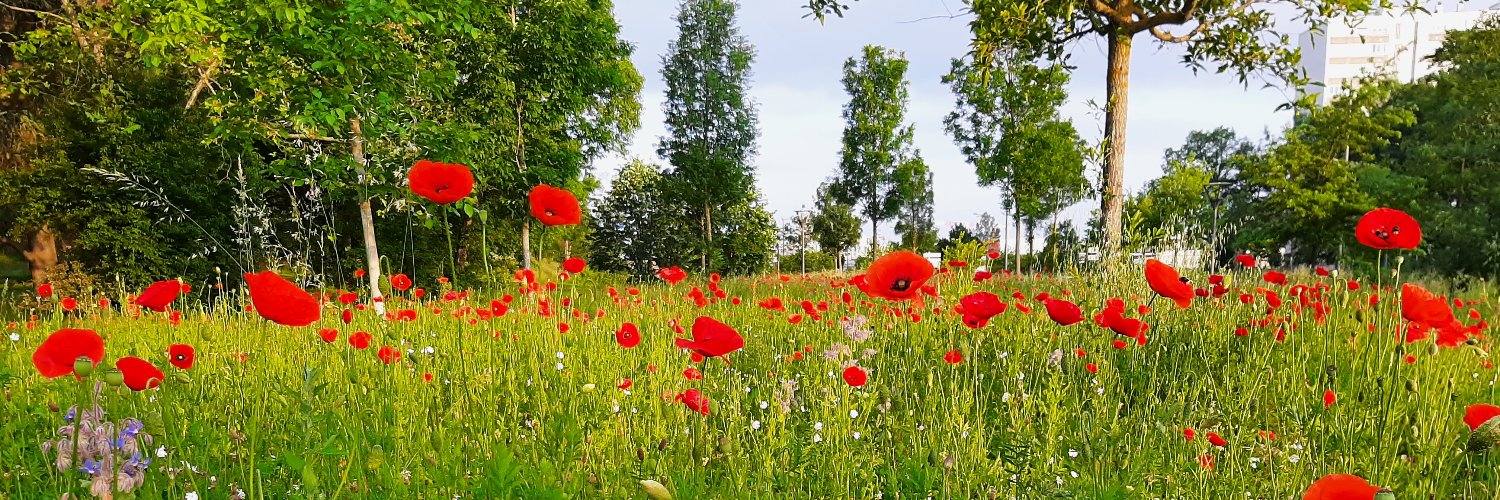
[(914, 204), (710, 118), (875, 136)]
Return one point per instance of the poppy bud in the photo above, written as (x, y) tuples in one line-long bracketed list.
[(726, 445), (181, 377), (114, 377), (655, 490), (83, 366), (588, 387), (1385, 494), (640, 454), (52, 405), (1411, 385), (1485, 436)]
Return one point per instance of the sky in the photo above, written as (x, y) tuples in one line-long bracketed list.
[(795, 84)]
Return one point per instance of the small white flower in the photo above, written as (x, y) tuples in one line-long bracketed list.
[(1294, 458), (1074, 473), (817, 438), (818, 426), (1059, 481), (1004, 354), (1099, 391), (560, 355), (1073, 453), (192, 495), (15, 337), (161, 452), (853, 413), (1297, 446), (747, 390), (1005, 398), (429, 350), (755, 424), (856, 434), (764, 405), (1020, 376), (559, 366)]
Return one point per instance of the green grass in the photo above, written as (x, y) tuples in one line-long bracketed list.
[(1019, 417)]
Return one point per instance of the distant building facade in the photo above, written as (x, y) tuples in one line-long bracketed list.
[(1393, 43)]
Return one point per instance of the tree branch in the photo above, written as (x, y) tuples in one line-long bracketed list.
[(203, 80), (310, 137), (1115, 16), (33, 11), (1182, 15)]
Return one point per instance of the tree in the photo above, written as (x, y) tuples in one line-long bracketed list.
[(1444, 168), (1306, 188), (635, 229), (548, 87), (914, 194), (957, 235), (834, 225), (710, 118), (875, 136), (1006, 124)]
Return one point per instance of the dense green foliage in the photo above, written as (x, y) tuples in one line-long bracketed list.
[(1420, 147), (878, 170)]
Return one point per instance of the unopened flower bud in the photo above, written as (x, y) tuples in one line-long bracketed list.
[(655, 490)]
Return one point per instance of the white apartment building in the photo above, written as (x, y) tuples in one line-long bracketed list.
[(1394, 43)]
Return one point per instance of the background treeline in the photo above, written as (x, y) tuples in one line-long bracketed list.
[(144, 140), (1430, 147)]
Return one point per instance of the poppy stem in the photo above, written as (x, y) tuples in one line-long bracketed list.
[(452, 260)]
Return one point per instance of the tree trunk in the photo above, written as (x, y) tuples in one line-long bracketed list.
[(367, 219), (1117, 81), (874, 238), (567, 249), (708, 235), (526, 244), (1018, 242), (42, 255)]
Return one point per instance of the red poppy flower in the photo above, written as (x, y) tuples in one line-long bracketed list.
[(1421, 306), (347, 316), (628, 336), (712, 339), (1189, 433), (692, 374), (1321, 271), (44, 290), (1275, 277), (855, 376), (1477, 415), (1329, 398), (694, 400), (1092, 368), (1340, 487), (441, 183), (672, 275), (388, 354), (772, 304), (56, 356), (953, 357), (281, 301), (574, 265), (360, 340), (181, 356), (157, 296), (1206, 461), (1388, 229), (139, 373), (957, 263), (1246, 260), (400, 282), (329, 335), (1165, 281), (1216, 440), (625, 383), (982, 305), (1063, 312), (555, 206), (897, 275), (69, 303)]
